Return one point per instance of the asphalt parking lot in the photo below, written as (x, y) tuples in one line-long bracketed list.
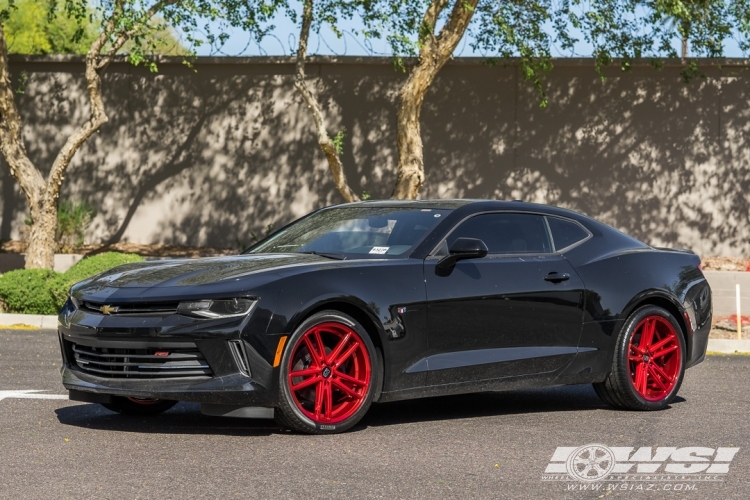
[(493, 445)]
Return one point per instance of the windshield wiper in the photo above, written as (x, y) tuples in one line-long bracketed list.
[(334, 256)]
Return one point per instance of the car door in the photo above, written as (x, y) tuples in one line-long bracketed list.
[(517, 311)]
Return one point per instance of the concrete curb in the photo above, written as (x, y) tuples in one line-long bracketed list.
[(33, 320), (729, 346)]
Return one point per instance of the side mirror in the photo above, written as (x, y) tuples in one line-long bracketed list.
[(462, 248)]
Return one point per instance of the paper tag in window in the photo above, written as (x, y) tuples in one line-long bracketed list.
[(379, 250)]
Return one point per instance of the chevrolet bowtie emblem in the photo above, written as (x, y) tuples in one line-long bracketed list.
[(108, 309)]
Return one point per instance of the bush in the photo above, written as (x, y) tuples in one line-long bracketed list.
[(91, 266), (40, 291), (72, 221), (29, 291)]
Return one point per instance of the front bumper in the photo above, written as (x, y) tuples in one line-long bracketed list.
[(223, 362)]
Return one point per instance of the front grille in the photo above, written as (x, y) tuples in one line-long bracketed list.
[(160, 362), (145, 308)]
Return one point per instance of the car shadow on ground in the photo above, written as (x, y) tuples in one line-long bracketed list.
[(185, 418)]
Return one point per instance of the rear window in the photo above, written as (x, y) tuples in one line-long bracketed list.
[(565, 233)]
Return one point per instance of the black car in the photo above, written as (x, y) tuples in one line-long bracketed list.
[(388, 300)]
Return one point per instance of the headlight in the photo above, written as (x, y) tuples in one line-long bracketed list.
[(217, 308)]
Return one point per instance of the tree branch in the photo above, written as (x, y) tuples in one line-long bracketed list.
[(11, 141), (324, 141)]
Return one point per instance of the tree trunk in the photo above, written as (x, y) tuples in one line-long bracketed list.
[(434, 52), (684, 47), (324, 141), (43, 195)]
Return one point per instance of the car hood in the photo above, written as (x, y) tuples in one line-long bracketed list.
[(195, 272)]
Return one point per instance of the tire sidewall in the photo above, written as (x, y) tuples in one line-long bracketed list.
[(289, 406), (623, 348)]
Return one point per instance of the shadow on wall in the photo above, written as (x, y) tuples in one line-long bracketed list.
[(213, 156)]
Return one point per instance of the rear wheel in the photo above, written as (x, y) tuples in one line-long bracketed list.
[(139, 406), (327, 375), (649, 362)]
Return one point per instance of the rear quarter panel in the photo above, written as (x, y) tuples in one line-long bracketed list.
[(619, 277)]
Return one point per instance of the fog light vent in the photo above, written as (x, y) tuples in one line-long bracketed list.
[(237, 348)]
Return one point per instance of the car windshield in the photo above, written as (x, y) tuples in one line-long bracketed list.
[(369, 232)]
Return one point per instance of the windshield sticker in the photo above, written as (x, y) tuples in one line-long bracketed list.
[(379, 250)]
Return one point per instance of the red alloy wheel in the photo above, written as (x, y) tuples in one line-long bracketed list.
[(654, 358), (329, 373)]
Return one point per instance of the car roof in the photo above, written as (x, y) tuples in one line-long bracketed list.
[(478, 204)]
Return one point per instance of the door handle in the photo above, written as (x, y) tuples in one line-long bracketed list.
[(555, 277)]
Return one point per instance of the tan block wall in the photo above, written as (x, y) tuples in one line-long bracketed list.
[(211, 156)]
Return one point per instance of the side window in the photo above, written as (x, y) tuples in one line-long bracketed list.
[(506, 233), (565, 233)]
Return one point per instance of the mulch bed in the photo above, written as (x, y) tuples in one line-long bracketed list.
[(725, 264)]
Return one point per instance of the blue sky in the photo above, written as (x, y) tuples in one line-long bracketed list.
[(283, 41)]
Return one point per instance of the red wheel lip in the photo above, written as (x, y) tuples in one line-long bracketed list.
[(350, 397), (143, 401), (655, 361)]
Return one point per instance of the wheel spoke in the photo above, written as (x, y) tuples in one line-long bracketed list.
[(305, 373), (339, 347), (657, 378), (343, 388), (328, 398), (305, 383), (346, 355), (663, 374), (662, 343), (647, 334), (664, 352), (350, 379), (313, 353), (640, 378), (321, 346), (319, 390)]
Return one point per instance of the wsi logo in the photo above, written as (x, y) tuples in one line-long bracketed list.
[(595, 462)]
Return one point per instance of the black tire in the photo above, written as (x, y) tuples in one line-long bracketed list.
[(291, 411), (619, 388), (139, 406)]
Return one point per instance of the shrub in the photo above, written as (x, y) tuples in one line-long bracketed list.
[(86, 268), (29, 291), (91, 266), (40, 291), (72, 221)]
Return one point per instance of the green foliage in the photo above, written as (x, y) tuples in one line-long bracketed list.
[(41, 291), (365, 196), (338, 141), (72, 221), (28, 291), (96, 264), (42, 27), (23, 80), (71, 26)]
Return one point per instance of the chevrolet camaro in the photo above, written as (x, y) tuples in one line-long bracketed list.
[(389, 300)]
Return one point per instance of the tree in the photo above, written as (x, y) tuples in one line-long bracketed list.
[(525, 31), (135, 23), (328, 10)]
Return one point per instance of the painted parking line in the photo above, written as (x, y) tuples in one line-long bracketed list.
[(30, 394)]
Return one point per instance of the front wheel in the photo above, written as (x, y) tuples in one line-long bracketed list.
[(139, 406), (328, 375), (649, 362)]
